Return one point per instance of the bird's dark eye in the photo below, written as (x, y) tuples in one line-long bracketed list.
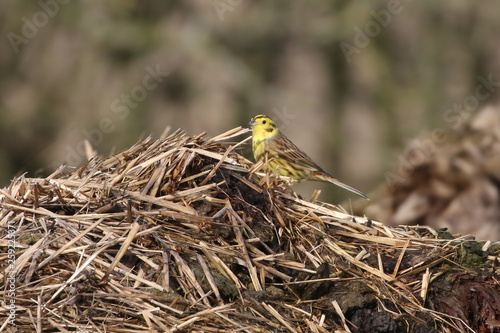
[(264, 122)]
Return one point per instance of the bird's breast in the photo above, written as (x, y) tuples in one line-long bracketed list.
[(259, 148)]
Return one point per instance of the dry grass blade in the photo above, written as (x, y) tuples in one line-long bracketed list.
[(400, 258), (425, 284), (341, 315), (131, 235), (280, 318), (335, 248), (238, 224)]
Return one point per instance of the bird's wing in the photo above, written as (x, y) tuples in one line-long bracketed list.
[(289, 151), (286, 149)]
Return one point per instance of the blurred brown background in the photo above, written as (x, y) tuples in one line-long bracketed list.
[(350, 82)]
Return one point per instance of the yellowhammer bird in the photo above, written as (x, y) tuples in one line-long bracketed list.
[(283, 156)]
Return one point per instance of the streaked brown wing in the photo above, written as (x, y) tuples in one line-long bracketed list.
[(286, 149)]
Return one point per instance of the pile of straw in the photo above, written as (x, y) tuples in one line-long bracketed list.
[(183, 234)]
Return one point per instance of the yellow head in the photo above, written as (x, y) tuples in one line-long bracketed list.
[(263, 127), (263, 131)]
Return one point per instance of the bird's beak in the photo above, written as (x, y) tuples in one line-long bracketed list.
[(252, 123)]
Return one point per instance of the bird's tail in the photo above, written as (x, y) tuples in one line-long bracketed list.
[(327, 178)]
